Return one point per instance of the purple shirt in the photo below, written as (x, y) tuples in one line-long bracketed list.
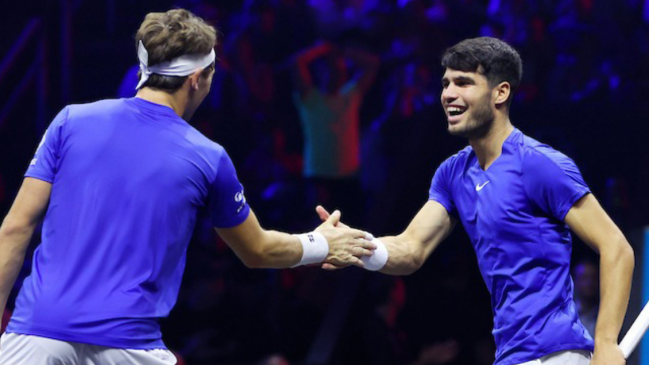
[(128, 177), (513, 213)]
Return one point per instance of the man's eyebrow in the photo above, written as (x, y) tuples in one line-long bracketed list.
[(456, 79), (466, 79)]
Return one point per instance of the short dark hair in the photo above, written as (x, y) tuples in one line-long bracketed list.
[(173, 34), (491, 57)]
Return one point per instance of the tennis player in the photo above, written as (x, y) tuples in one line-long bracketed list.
[(518, 199), (119, 183)]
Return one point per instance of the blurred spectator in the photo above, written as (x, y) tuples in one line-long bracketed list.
[(409, 99), (335, 17), (329, 101)]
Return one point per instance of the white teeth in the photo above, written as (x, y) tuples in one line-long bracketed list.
[(454, 109)]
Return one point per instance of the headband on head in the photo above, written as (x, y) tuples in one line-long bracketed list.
[(184, 65)]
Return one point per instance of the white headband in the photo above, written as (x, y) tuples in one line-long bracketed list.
[(184, 65)]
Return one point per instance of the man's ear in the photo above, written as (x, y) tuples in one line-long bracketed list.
[(193, 79), (501, 93)]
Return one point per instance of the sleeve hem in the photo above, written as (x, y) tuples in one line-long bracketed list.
[(578, 195), (446, 205), (233, 223), (39, 177)]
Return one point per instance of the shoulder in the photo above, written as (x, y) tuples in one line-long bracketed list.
[(542, 166), (78, 115), (452, 166), (540, 157), (101, 106), (73, 113), (203, 144), (457, 160)]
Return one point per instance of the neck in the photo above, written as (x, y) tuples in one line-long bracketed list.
[(490, 146), (176, 101)]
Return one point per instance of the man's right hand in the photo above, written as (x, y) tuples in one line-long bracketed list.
[(346, 245)]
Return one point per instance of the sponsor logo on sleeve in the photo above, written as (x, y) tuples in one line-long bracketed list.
[(241, 199)]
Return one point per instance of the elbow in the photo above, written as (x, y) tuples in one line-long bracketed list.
[(627, 255), (13, 228), (625, 252), (621, 252)]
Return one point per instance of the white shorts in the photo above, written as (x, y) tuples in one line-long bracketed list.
[(34, 350), (572, 357)]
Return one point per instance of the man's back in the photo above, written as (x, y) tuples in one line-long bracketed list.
[(128, 177)]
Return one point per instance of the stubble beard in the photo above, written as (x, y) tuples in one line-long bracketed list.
[(480, 123)]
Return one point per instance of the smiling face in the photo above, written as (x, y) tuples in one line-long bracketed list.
[(468, 102)]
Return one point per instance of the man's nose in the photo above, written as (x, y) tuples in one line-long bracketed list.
[(449, 93)]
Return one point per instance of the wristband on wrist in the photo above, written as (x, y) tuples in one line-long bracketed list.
[(315, 248), (379, 258)]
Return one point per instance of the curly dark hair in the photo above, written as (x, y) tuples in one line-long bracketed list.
[(491, 57)]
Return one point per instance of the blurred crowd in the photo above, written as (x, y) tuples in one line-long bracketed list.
[(578, 55)]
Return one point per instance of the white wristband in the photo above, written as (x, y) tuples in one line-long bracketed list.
[(379, 258), (315, 248)]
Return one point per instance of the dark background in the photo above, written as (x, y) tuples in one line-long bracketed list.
[(584, 92)]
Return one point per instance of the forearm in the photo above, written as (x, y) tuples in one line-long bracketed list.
[(13, 244), (616, 271), (260, 248), (403, 256), (277, 250), (408, 251)]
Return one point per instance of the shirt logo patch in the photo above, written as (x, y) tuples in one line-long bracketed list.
[(241, 199), (480, 186)]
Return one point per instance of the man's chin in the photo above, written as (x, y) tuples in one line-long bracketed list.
[(456, 131)]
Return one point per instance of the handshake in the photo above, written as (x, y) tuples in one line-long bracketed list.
[(335, 245)]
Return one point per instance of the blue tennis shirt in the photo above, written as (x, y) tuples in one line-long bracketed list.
[(514, 215), (128, 177)]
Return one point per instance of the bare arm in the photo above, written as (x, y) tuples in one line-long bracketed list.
[(260, 248), (303, 78), (17, 229), (589, 221), (408, 251), (368, 64)]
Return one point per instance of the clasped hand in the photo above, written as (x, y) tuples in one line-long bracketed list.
[(346, 245)]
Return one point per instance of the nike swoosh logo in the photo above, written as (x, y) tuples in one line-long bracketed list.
[(480, 186)]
